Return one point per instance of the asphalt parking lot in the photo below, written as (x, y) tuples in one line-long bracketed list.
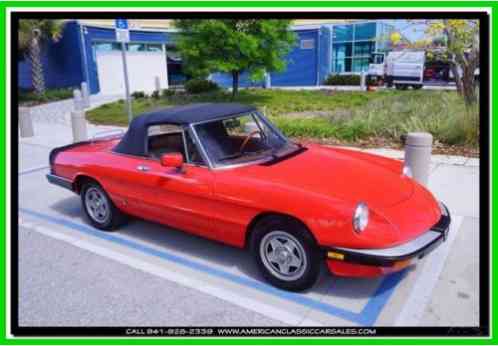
[(145, 274)]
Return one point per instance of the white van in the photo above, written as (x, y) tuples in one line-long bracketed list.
[(401, 69), (405, 68)]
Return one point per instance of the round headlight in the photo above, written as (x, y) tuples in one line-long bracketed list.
[(407, 171), (360, 217)]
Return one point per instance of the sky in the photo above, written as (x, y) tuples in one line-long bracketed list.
[(410, 30)]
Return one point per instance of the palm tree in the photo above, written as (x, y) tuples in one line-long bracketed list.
[(33, 33)]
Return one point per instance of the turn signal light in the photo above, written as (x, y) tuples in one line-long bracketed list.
[(335, 255)]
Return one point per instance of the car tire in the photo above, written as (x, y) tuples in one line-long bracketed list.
[(286, 253), (100, 209)]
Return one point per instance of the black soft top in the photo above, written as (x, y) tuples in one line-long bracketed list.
[(134, 141)]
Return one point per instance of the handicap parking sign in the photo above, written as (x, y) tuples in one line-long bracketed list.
[(122, 32), (122, 24)]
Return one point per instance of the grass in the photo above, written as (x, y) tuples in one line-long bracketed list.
[(441, 113), (51, 95), (344, 116), (273, 102)]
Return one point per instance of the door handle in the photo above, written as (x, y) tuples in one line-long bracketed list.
[(143, 168)]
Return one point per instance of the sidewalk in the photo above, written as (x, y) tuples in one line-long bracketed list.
[(59, 112)]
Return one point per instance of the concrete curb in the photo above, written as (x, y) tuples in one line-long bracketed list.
[(435, 159)]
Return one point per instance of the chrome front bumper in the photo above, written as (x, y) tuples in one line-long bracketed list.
[(387, 257)]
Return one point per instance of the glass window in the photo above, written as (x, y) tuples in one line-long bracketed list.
[(307, 44), (365, 31), (240, 139), (163, 139), (342, 50), (360, 64), (193, 154), (364, 48), (136, 47), (341, 65), (106, 46), (378, 58), (342, 33), (154, 48)]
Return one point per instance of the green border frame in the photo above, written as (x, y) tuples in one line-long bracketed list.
[(350, 4)]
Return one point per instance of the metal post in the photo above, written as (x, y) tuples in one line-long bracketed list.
[(127, 84), (157, 83), (362, 80), (418, 147), (25, 122), (85, 93), (78, 121)]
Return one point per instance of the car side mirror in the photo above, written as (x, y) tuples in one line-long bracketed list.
[(174, 160)]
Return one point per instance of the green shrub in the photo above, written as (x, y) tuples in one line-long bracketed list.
[(155, 94), (138, 95), (338, 79), (167, 92), (347, 116), (50, 95), (197, 86)]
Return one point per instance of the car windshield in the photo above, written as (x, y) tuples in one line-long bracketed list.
[(242, 139)]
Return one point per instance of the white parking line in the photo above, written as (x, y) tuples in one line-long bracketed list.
[(421, 292), (34, 169), (170, 275)]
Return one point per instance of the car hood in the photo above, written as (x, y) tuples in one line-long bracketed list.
[(339, 173)]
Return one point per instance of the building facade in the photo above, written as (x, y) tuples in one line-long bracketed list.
[(323, 49), (88, 51)]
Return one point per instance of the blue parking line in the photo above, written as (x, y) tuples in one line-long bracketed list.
[(366, 317)]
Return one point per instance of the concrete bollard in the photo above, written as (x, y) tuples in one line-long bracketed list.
[(78, 121), (85, 94), (157, 84), (77, 100), (363, 80), (25, 122), (267, 80), (418, 147)]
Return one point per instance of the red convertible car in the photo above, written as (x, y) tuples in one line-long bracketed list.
[(224, 172)]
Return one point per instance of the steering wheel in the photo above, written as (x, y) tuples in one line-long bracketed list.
[(246, 140)]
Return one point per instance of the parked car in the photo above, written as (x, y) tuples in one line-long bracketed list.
[(224, 172)]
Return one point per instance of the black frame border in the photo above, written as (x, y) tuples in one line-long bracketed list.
[(484, 244)]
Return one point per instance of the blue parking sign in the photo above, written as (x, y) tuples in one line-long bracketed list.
[(122, 24)]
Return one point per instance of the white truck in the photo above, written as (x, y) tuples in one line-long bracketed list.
[(402, 69)]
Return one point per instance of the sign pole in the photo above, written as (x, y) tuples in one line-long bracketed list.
[(127, 83), (123, 36)]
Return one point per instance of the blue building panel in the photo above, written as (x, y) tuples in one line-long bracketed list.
[(224, 80), (302, 62), (61, 62)]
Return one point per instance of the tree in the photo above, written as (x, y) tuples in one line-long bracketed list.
[(461, 39), (32, 35), (234, 46)]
